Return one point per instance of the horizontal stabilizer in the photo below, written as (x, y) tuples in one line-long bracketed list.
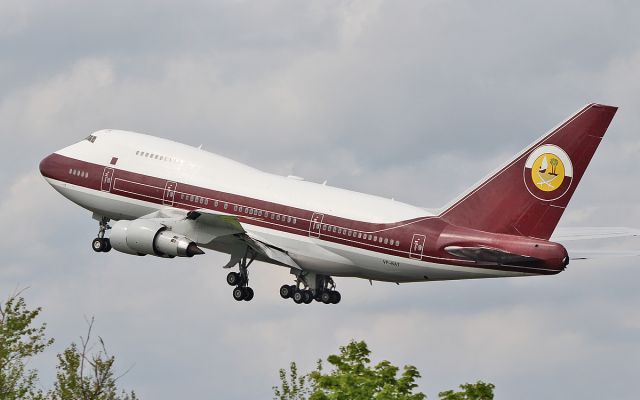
[(490, 255), (596, 255), (586, 233)]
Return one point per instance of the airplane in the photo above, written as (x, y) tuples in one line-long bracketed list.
[(169, 199)]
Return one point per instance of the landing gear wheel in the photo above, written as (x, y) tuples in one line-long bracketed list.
[(234, 279), (325, 297), (307, 296), (238, 293), (248, 293), (100, 244), (286, 291), (107, 246), (298, 297), (335, 297)]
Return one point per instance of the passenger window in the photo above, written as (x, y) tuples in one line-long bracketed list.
[(146, 154), (288, 220), (369, 237), (359, 235), (225, 206), (335, 229), (277, 217), (294, 221), (386, 241), (339, 231), (260, 213), (215, 203), (397, 243), (380, 239)]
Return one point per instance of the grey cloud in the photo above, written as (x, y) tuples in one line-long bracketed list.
[(411, 100)]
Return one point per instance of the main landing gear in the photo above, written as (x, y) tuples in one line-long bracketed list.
[(102, 244), (323, 290), (241, 279)]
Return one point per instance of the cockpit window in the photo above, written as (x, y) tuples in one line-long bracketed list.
[(91, 138)]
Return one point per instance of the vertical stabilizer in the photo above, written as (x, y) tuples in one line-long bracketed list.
[(529, 194)]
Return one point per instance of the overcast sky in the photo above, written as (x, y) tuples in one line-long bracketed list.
[(414, 100)]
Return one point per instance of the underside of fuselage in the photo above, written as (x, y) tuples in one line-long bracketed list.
[(313, 255)]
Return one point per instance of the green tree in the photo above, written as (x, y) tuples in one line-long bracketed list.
[(294, 388), (20, 339), (354, 378), (470, 391), (84, 374)]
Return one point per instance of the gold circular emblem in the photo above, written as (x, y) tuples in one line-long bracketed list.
[(547, 172)]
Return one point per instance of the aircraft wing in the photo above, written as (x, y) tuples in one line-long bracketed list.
[(567, 234), (228, 225)]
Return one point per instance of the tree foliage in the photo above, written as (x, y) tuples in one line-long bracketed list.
[(295, 387), (87, 375), (21, 338), (470, 391), (352, 377), (82, 372)]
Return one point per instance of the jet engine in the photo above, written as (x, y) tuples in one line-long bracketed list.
[(142, 237)]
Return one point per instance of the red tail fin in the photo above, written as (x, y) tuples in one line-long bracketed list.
[(528, 196)]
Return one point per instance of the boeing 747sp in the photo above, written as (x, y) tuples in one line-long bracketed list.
[(168, 199)]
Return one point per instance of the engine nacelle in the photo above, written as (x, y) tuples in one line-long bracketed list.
[(142, 237)]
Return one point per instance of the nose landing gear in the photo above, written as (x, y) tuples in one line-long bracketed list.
[(102, 244)]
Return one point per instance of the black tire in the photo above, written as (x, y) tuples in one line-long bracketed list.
[(238, 293), (298, 297), (307, 296), (335, 297), (97, 245), (325, 297), (233, 278), (248, 294), (285, 291), (107, 245)]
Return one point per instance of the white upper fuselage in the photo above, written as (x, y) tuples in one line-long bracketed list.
[(204, 169)]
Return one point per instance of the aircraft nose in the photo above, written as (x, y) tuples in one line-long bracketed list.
[(46, 166)]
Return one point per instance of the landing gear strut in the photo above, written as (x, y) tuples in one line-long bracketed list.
[(323, 289), (241, 279), (102, 244)]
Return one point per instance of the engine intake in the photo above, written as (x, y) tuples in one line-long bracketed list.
[(142, 237)]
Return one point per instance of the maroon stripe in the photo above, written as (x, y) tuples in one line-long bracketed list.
[(152, 189)]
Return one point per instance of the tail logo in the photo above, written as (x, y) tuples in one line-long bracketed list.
[(548, 172)]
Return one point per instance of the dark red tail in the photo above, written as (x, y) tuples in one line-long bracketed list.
[(528, 196)]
